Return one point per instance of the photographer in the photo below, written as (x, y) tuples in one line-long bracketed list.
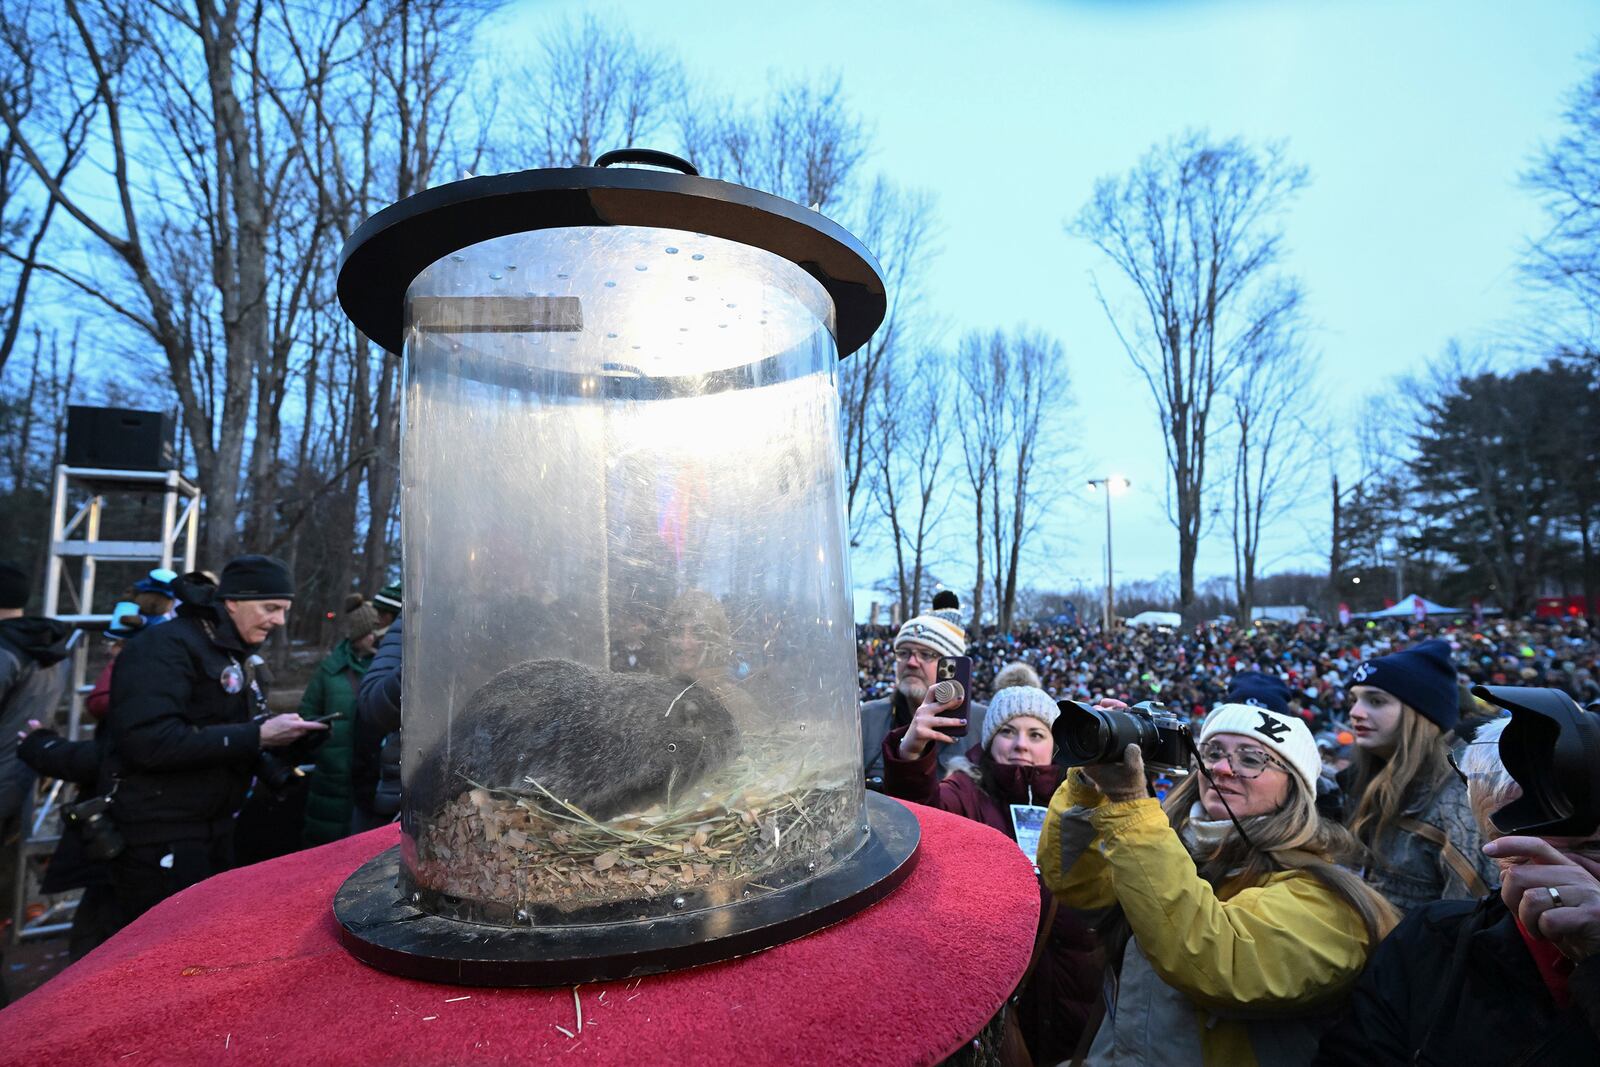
[(1405, 806), (189, 728), (1244, 960), (1513, 977), (1013, 767)]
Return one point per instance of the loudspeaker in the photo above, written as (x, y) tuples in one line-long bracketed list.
[(119, 439)]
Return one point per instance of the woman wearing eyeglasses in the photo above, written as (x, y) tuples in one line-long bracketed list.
[(1403, 803), (1232, 933)]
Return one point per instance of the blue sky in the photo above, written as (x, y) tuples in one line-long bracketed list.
[(1415, 120)]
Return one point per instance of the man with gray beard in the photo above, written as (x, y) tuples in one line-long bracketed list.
[(917, 650)]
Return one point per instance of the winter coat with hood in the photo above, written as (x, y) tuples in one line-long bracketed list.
[(1066, 981), (183, 740), (1230, 976), (332, 691), (33, 677)]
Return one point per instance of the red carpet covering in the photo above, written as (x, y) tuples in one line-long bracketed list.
[(247, 968)]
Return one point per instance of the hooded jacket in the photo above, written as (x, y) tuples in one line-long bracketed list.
[(33, 677), (183, 740), (1234, 976)]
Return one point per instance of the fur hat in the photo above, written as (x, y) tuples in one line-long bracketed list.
[(360, 617), (1014, 701), (14, 585), (1259, 691), (937, 630), (1422, 677), (1284, 735), (255, 578)]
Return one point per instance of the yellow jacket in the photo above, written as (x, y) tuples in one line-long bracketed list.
[(1245, 975)]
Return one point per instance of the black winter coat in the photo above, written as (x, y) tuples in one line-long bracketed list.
[(182, 747), (376, 755), (1497, 1010), (78, 762)]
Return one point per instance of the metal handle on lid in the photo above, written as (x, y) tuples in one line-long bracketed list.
[(649, 157)]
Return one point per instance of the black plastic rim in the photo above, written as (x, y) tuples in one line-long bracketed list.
[(382, 929), (387, 252)]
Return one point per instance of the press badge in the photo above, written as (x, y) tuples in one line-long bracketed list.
[(232, 679), (1028, 822)]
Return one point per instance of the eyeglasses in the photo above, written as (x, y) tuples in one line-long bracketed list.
[(1450, 758), (905, 654), (1244, 762)]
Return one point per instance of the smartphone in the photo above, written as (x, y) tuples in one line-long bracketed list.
[(326, 718), (957, 669)]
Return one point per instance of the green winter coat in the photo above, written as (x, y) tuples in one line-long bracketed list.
[(332, 689)]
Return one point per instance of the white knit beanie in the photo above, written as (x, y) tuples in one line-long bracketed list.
[(1016, 700), (1286, 736), (937, 630)]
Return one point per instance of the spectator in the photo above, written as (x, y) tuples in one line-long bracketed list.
[(126, 621), (1239, 961), (375, 758), (188, 729), (388, 602), (33, 677), (1013, 768), (1511, 978), (1405, 806), (330, 697), (918, 647)]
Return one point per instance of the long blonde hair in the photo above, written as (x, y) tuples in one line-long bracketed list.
[(1382, 786), (1295, 837)]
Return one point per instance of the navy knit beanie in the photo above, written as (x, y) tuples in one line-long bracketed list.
[(255, 578), (1259, 691), (1422, 677)]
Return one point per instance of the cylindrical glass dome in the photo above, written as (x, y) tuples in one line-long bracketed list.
[(629, 681)]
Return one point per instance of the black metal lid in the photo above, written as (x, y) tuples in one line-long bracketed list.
[(387, 252)]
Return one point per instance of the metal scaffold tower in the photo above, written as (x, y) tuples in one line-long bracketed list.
[(75, 545)]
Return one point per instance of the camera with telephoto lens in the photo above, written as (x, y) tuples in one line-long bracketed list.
[(1090, 736), (1551, 747), (92, 819)]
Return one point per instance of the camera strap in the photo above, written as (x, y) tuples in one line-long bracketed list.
[(1237, 825)]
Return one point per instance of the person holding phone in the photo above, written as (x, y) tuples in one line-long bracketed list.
[(1005, 782), (918, 647)]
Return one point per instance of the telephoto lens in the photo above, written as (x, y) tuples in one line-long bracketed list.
[(1089, 736)]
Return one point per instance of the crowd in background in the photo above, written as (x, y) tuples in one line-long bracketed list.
[(1191, 668)]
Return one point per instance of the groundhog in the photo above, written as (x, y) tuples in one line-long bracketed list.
[(606, 742)]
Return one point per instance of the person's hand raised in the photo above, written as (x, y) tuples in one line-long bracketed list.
[(1554, 893), (928, 725), (286, 729)]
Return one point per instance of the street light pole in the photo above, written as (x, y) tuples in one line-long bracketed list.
[(1112, 484)]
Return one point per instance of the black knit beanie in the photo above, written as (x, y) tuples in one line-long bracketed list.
[(1422, 677), (255, 578)]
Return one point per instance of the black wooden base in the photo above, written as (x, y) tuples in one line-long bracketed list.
[(381, 928)]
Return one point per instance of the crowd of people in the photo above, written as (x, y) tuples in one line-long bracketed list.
[(1275, 901), (1320, 859)]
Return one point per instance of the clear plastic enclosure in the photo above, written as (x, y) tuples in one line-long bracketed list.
[(629, 674)]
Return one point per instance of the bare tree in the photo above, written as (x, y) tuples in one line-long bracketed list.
[(595, 88), (896, 225), (1271, 403), (1193, 228), (981, 373), (804, 143), (1565, 259), (1035, 381), (912, 495)]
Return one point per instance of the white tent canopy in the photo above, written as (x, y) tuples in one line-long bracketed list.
[(1407, 609)]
